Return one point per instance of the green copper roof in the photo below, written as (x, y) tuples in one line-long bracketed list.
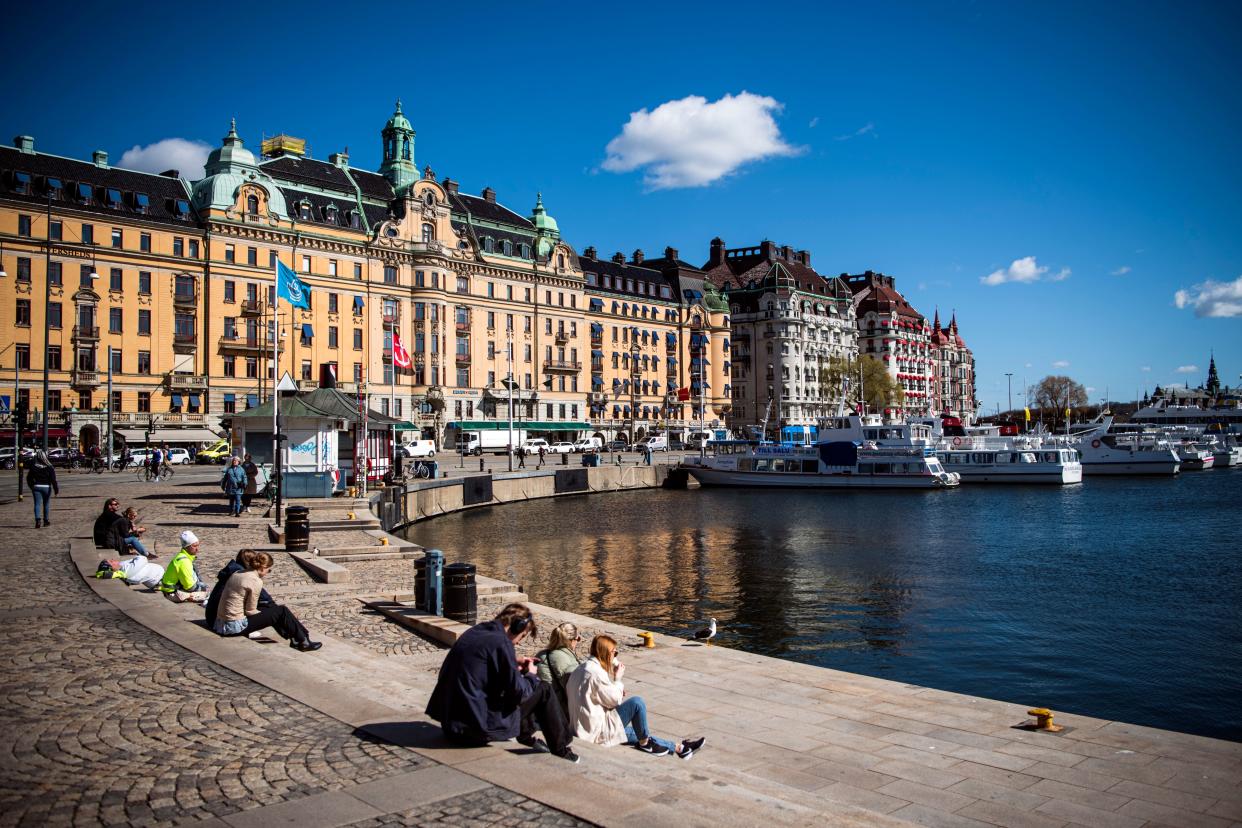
[(398, 120), (541, 219), (228, 167)]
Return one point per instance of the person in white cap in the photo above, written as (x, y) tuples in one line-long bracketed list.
[(181, 582)]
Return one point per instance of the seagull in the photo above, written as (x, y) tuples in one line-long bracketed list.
[(707, 633)]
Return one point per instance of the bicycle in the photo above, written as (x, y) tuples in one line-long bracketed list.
[(146, 475)]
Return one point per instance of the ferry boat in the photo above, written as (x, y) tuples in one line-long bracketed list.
[(1105, 452), (838, 464), (1163, 414), (998, 454)]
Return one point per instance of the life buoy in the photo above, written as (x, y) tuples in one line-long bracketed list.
[(1095, 444), (957, 441)]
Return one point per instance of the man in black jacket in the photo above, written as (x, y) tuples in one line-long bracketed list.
[(222, 578), (110, 526), (484, 692)]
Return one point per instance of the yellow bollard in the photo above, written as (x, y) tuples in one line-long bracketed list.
[(349, 515), (383, 541), (1043, 720), (648, 639)]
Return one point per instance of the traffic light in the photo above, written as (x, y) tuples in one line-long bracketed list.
[(21, 413)]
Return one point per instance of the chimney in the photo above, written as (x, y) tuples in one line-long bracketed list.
[(171, 174), (670, 253), (340, 159), (618, 257), (638, 256), (101, 158), (767, 249), (806, 257), (450, 185), (717, 256), (787, 253), (589, 253), (25, 143), (489, 195)]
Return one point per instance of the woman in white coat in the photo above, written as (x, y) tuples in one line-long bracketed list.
[(600, 713)]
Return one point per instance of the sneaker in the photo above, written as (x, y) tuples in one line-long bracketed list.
[(685, 753), (534, 743), (654, 748), (569, 755), (694, 744), (306, 646)]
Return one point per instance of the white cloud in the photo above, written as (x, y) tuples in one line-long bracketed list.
[(1061, 275), (1146, 369), (1212, 299), (1025, 269), (1060, 363), (814, 122), (1188, 369), (1029, 365), (179, 154), (692, 142), (869, 129), (1089, 389), (1121, 271)]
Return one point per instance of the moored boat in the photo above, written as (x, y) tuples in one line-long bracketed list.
[(1103, 452), (825, 465)]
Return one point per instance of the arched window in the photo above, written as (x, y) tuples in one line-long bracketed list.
[(405, 148), (560, 259), (252, 204), (304, 210), (429, 199), (429, 233), (390, 149)]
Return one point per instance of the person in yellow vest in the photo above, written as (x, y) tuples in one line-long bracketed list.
[(181, 582)]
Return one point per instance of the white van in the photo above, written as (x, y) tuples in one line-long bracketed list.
[(420, 448), (584, 444), (656, 442)]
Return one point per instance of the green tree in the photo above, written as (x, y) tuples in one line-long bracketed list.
[(1055, 394), (840, 378)]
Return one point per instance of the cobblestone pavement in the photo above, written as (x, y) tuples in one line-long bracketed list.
[(105, 722)]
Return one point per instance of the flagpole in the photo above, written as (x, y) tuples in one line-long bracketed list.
[(274, 332), (392, 394)]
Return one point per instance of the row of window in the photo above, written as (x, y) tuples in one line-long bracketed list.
[(629, 286), (86, 235), (88, 195)]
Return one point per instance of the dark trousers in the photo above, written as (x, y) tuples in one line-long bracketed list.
[(280, 618), (543, 711)]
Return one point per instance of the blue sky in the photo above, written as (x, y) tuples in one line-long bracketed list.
[(1056, 174)]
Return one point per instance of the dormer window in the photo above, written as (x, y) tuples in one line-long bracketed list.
[(85, 193), (181, 208), (329, 213), (142, 203), (489, 246), (54, 187), (252, 205), (21, 183), (355, 219), (112, 198), (524, 250), (506, 247), (304, 210)]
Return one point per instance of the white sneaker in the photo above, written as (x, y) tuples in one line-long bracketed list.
[(255, 634)]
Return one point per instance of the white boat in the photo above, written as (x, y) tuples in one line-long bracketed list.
[(1227, 453), (995, 454), (1195, 456), (1162, 414), (1103, 452), (825, 465)]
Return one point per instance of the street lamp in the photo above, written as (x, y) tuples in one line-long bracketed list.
[(1009, 379)]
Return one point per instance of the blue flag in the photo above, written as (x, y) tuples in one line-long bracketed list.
[(290, 288)]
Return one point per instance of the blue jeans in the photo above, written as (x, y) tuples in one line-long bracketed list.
[(633, 713), (133, 543), (42, 497), (235, 502)]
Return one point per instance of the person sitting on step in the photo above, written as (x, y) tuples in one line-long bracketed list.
[(181, 581), (602, 714), (239, 611)]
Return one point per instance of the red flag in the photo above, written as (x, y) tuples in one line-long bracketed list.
[(683, 394), (400, 356)]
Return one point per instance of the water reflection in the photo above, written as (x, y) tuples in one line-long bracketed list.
[(1118, 598)]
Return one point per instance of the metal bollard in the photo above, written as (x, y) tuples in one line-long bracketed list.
[(564, 459), (480, 464), (433, 602)]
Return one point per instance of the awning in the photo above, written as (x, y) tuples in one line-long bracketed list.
[(597, 328), (597, 353), (672, 361), (406, 425), (357, 303), (308, 331), (176, 400), (194, 399), (252, 401), (655, 386), (597, 382), (726, 345), (169, 435), (615, 382), (696, 339), (230, 398), (671, 338), (597, 304)]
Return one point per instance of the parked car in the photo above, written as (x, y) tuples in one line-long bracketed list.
[(178, 457), (617, 445), (425, 449), (588, 444), (68, 458), (532, 446), (6, 457), (561, 448)]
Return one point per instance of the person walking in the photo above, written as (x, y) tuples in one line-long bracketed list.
[(42, 481), (252, 482), (239, 610), (541, 452), (648, 453), (521, 453), (235, 485)]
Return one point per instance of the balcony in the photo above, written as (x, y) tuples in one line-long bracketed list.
[(183, 342), (562, 338), (235, 341), (463, 359), (84, 379), (463, 326), (251, 308), (84, 333), (185, 298), (185, 382), (562, 365), (307, 385)]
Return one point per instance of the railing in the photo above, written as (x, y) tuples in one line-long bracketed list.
[(183, 297), (84, 378), (251, 307), (561, 337), (463, 326), (463, 358), (307, 385), (183, 338), (174, 417), (190, 381), (562, 365), (86, 332)]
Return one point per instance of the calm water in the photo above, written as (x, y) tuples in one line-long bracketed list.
[(1118, 598)]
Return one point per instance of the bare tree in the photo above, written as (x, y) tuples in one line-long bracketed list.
[(1057, 394)]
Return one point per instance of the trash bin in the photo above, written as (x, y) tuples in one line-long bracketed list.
[(297, 529), (420, 583), (590, 459), (433, 468), (461, 599)]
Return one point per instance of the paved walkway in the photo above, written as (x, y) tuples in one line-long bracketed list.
[(121, 707)]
